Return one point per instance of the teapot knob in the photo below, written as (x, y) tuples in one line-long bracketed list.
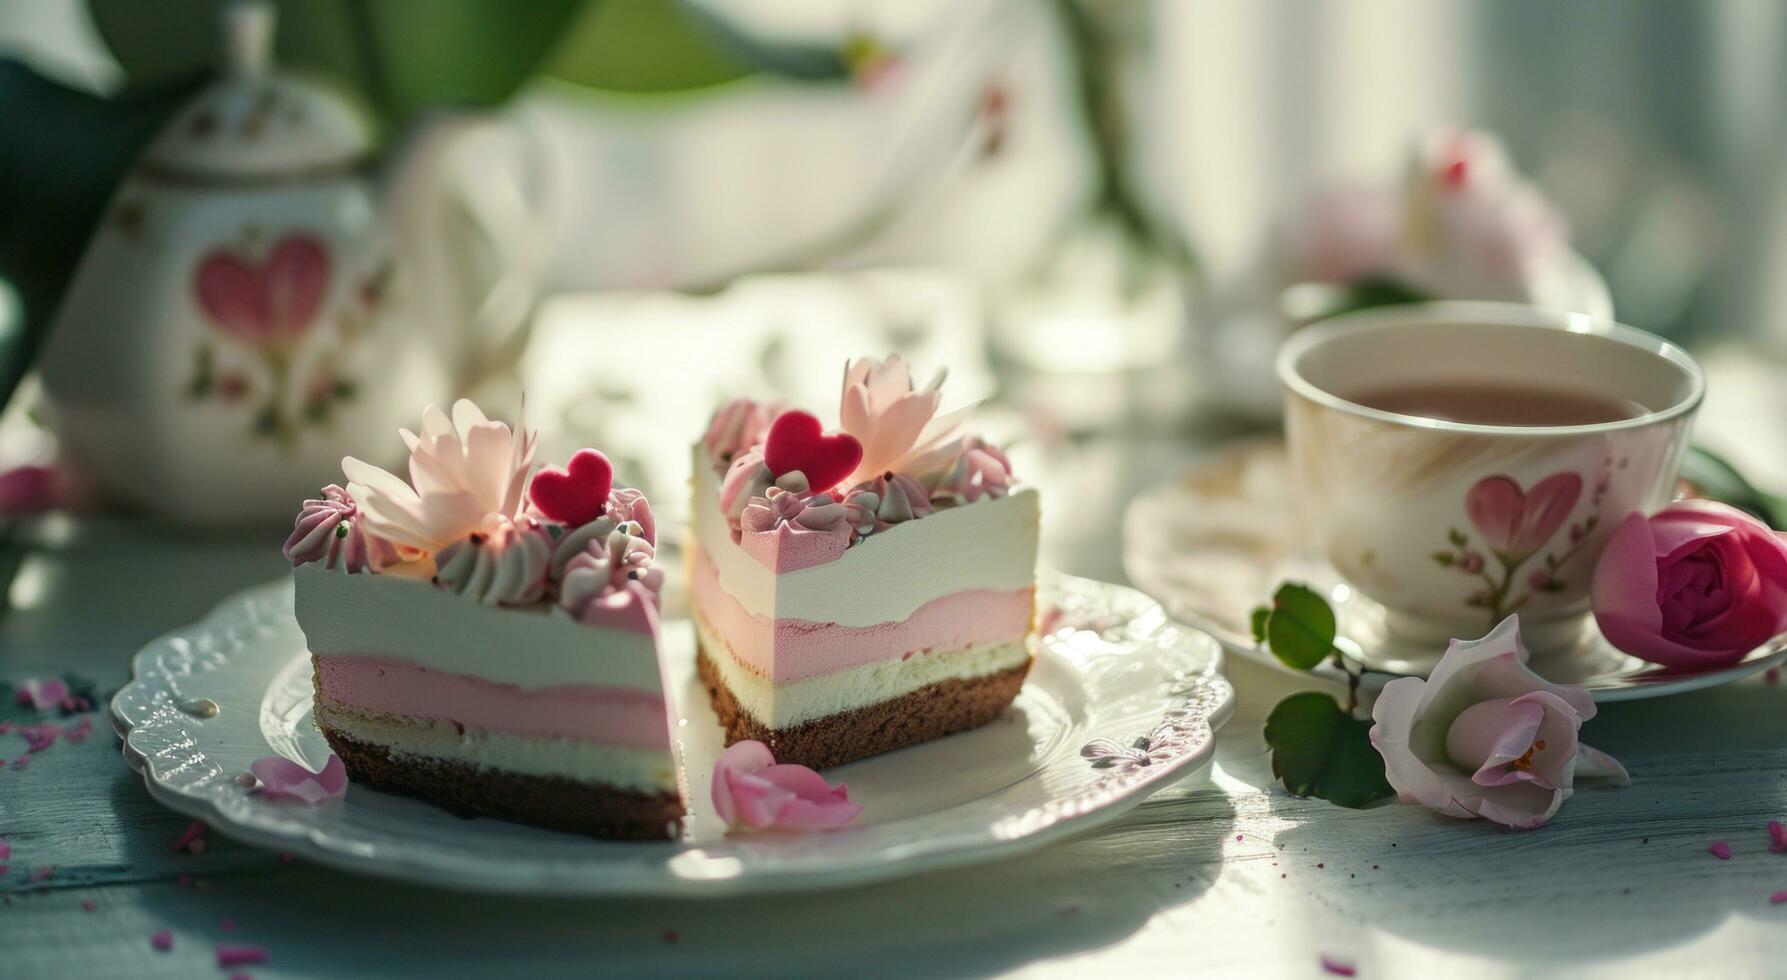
[(247, 37)]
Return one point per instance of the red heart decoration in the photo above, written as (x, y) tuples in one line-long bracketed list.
[(578, 493), (796, 442)]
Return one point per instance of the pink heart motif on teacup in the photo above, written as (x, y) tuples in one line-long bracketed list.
[(1515, 522), (267, 304)]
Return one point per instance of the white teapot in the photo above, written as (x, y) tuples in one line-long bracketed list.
[(249, 310)]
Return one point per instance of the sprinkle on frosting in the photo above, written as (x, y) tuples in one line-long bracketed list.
[(505, 562), (328, 530)]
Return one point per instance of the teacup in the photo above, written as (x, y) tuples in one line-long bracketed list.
[(1451, 526)]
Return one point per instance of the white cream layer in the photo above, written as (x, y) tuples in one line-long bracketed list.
[(786, 705), (406, 619), (646, 770), (988, 544)]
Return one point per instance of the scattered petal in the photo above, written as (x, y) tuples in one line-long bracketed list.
[(1778, 898), (194, 831), (163, 940), (42, 693), (1777, 837), (229, 955), (1338, 968), (88, 905), (5, 849), (22, 762), (39, 737), (287, 781), (751, 790), (1720, 850)]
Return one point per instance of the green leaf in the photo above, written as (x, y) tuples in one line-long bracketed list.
[(401, 56), (1300, 631), (1260, 615), (1319, 751), (1714, 476)]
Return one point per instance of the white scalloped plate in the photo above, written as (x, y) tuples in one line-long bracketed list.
[(1121, 702)]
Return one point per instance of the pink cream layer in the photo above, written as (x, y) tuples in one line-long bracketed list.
[(583, 712), (794, 649)]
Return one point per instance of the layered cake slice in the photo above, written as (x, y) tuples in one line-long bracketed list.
[(488, 642), (858, 592)]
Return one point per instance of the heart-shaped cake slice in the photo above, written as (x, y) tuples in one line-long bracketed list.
[(577, 494), (797, 442)]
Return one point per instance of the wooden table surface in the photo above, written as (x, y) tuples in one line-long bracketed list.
[(1224, 876)]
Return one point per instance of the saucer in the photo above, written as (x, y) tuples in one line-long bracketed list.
[(1216, 542)]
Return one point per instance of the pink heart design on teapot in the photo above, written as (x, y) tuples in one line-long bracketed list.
[(268, 304), (1518, 522)]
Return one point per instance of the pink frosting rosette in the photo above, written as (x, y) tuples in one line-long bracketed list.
[(751, 790), (328, 529), (1484, 736), (1695, 586)]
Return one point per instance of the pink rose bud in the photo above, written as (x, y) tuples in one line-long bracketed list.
[(1471, 562), (1695, 586)]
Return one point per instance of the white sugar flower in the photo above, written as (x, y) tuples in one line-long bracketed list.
[(896, 423), (462, 471)]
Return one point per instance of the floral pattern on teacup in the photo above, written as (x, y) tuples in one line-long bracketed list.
[(1515, 524), (266, 303)]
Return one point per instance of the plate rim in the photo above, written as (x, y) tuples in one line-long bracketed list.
[(1244, 646), (1203, 706)]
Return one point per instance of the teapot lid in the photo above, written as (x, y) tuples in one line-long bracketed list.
[(255, 123)]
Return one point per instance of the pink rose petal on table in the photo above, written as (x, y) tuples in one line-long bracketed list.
[(39, 737), (1338, 968), (1778, 898), (231, 955), (287, 781), (1777, 837), (194, 831), (1720, 850), (751, 790), (163, 940), (42, 693), (5, 850)]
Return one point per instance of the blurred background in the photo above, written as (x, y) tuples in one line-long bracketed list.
[(240, 239)]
